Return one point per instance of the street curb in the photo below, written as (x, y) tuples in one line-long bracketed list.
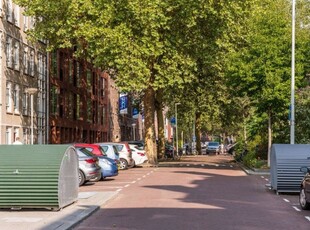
[(250, 171), (71, 216), (98, 201)]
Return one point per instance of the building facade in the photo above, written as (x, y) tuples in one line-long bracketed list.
[(78, 100), (23, 79)]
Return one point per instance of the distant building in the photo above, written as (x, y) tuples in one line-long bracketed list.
[(78, 100)]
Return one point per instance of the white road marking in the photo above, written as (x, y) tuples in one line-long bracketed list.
[(127, 185), (307, 217), (262, 177), (202, 165), (266, 179), (118, 190), (286, 200), (297, 209), (133, 182), (139, 179), (144, 176)]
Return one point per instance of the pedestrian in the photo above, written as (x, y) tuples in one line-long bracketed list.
[(17, 141)]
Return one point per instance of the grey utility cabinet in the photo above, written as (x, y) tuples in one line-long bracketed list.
[(285, 163), (38, 176)]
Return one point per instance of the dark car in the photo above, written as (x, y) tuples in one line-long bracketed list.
[(304, 195)]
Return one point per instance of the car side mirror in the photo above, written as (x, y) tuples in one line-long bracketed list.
[(305, 169)]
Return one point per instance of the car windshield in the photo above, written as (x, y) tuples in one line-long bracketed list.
[(213, 144), (82, 152)]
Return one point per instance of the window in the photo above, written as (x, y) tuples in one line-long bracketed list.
[(41, 66), (9, 97), (31, 66), (9, 58), (25, 22), (102, 87), (16, 56), (32, 22), (9, 13), (16, 133), (8, 135), (26, 136), (25, 61), (54, 100), (16, 15), (16, 99), (25, 103)]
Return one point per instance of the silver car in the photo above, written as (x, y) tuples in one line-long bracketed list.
[(89, 168), (110, 150), (125, 155)]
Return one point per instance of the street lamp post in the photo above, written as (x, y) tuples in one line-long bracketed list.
[(31, 91), (292, 108), (176, 126)]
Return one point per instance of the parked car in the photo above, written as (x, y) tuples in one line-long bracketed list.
[(213, 147), (138, 154), (125, 155), (111, 151), (140, 144), (93, 148), (89, 168), (304, 195), (109, 167)]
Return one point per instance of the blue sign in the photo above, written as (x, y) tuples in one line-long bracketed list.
[(123, 104), (172, 121), (135, 113)]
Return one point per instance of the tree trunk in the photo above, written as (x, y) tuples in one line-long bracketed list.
[(197, 132), (149, 121), (160, 123)]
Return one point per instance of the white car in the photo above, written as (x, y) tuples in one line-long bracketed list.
[(138, 154)]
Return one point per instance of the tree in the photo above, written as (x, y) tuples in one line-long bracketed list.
[(261, 68), (135, 39), (149, 45)]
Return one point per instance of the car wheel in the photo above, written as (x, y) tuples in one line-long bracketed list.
[(303, 200), (81, 178), (123, 164), (97, 179)]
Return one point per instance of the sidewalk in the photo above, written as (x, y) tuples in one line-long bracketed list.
[(32, 219)]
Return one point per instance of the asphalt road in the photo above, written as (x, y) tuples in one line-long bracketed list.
[(205, 192)]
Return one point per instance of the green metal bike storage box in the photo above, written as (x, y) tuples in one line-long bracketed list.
[(38, 176)]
